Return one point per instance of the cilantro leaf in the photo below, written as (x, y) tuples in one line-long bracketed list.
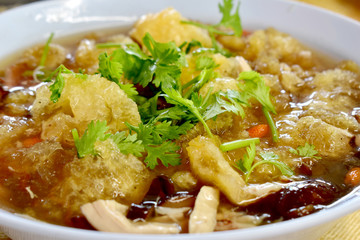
[(308, 150), (168, 60), (190, 45), (174, 97), (205, 62), (163, 68), (144, 132), (228, 20), (255, 87), (245, 164), (166, 153), (128, 144), (230, 101), (271, 158), (95, 131), (109, 69), (231, 21), (199, 81), (112, 69), (57, 87), (153, 134)]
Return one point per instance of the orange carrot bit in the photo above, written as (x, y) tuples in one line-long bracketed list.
[(353, 176), (29, 142), (246, 33), (259, 131)]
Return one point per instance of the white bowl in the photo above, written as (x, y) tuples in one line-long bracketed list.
[(327, 32)]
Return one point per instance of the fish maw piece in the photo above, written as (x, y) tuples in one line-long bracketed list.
[(55, 56), (110, 216), (329, 140), (203, 217), (210, 166), (111, 175), (166, 26), (87, 99)]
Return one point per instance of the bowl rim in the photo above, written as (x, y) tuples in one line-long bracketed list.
[(9, 220)]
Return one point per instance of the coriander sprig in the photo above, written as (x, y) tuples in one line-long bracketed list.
[(151, 141), (308, 150), (162, 67), (270, 158), (228, 20)]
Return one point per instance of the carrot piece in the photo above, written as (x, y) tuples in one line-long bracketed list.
[(29, 142), (246, 33), (259, 131), (353, 176)]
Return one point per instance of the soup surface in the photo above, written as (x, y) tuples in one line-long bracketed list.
[(177, 127)]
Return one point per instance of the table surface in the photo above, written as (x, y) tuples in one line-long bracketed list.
[(347, 228)]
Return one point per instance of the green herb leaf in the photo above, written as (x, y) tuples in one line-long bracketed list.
[(109, 69), (174, 97), (205, 62), (308, 150), (191, 45), (255, 87), (163, 68), (128, 144), (46, 50), (199, 81), (271, 158), (230, 20), (230, 101), (245, 164), (166, 153), (112, 69), (95, 131), (57, 87)]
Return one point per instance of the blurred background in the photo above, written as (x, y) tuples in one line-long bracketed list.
[(350, 8)]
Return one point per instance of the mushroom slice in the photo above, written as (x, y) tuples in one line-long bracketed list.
[(110, 216), (203, 217)]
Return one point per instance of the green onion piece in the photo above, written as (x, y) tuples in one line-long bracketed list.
[(108, 45), (46, 50), (275, 135), (238, 144)]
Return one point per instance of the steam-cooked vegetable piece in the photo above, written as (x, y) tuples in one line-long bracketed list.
[(337, 119), (203, 217), (111, 175), (87, 53), (56, 55), (225, 67), (328, 140), (268, 48), (110, 216), (93, 98), (210, 165), (12, 128), (166, 26)]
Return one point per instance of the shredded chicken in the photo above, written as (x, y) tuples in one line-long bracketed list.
[(110, 216), (203, 217)]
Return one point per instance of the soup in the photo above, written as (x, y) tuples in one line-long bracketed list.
[(177, 127)]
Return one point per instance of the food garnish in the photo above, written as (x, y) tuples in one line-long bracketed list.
[(308, 150)]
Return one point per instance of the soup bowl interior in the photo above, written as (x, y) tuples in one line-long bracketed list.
[(327, 32)]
